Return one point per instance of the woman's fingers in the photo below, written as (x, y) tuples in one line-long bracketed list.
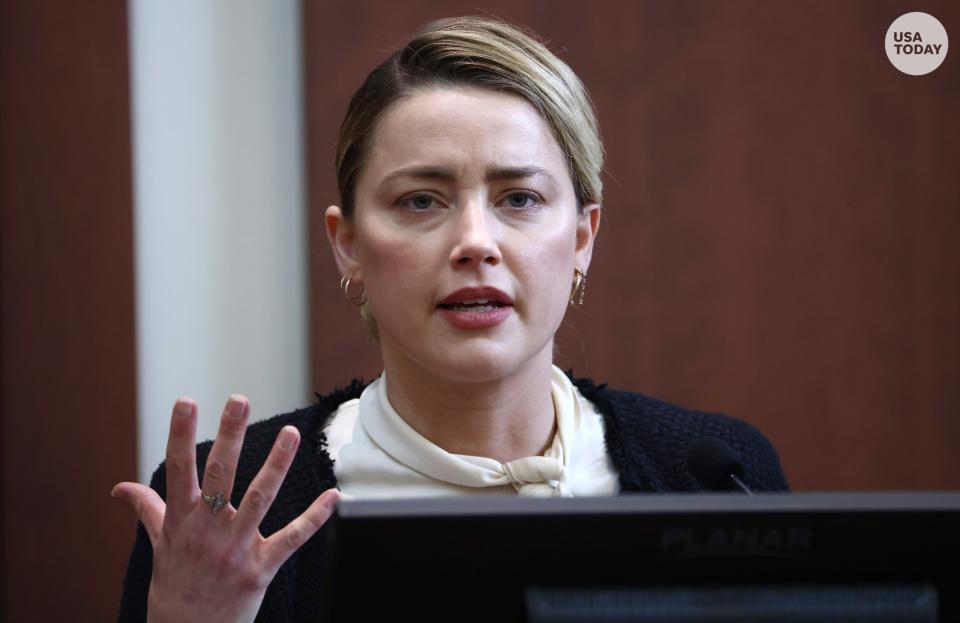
[(181, 465), (263, 489), (220, 565), (222, 461), (283, 543), (146, 502)]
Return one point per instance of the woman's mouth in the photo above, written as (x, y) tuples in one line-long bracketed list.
[(478, 305), (477, 313)]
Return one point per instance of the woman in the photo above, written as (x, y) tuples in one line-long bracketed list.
[(469, 176)]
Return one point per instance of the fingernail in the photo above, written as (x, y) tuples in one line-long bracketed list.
[(184, 407), (238, 405), (286, 441)]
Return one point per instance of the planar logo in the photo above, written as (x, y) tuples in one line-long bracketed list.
[(684, 542), (916, 43)]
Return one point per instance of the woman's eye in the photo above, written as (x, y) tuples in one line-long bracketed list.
[(419, 202), (521, 200)]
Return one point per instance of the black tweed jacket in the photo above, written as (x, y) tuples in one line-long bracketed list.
[(647, 440)]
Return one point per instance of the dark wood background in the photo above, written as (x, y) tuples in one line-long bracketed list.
[(69, 362), (782, 212), (780, 242)]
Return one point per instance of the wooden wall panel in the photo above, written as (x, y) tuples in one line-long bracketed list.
[(781, 223), (68, 359)]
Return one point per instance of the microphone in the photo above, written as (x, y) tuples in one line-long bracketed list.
[(716, 465)]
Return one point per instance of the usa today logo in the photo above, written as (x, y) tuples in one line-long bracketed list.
[(916, 43)]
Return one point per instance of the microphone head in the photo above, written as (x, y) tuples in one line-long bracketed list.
[(712, 461)]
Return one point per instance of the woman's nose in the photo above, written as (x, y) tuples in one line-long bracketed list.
[(475, 239)]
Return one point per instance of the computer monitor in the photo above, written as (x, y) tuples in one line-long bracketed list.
[(693, 558)]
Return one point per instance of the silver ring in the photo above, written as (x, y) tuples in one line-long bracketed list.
[(216, 502)]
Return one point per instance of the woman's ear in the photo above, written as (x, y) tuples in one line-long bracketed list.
[(341, 232), (588, 223)]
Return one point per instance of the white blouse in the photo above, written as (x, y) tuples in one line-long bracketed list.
[(377, 454)]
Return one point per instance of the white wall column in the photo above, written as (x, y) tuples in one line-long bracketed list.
[(221, 240)]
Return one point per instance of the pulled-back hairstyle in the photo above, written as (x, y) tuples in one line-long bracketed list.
[(485, 53)]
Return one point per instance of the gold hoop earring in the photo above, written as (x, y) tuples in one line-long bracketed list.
[(579, 289), (355, 299)]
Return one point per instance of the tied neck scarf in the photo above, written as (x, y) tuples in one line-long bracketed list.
[(535, 476)]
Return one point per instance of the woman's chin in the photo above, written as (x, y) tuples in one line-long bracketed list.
[(481, 371), (481, 361), (468, 357)]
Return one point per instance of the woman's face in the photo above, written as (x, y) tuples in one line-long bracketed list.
[(465, 233)]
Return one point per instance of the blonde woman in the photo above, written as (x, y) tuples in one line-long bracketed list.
[(470, 196)]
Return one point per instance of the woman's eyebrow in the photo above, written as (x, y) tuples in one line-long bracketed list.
[(420, 173), (494, 174), (516, 173)]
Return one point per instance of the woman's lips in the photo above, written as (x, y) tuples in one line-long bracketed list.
[(477, 293), (480, 317), (476, 307)]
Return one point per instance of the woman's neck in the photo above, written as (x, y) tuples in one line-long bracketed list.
[(503, 419)]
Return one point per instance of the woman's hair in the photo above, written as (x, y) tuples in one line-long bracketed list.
[(478, 52)]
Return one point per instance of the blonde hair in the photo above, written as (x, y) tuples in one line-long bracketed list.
[(486, 53)]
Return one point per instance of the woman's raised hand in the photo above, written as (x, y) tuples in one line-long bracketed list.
[(210, 562)]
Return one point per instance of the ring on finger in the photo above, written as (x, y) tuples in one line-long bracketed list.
[(216, 502)]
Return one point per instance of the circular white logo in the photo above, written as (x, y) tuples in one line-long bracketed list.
[(916, 43)]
